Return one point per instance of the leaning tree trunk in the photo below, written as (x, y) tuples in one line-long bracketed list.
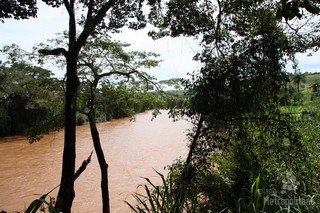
[(185, 173), (100, 155), (103, 166), (194, 141)]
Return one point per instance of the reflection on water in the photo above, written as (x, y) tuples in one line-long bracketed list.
[(132, 149)]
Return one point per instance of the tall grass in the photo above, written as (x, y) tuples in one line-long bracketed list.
[(42, 204), (165, 198), (257, 202)]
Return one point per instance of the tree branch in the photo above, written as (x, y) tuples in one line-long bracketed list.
[(58, 51), (68, 7), (92, 23), (87, 64), (127, 74), (218, 28), (82, 167), (90, 10)]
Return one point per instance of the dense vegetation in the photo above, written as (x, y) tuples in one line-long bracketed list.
[(255, 163), (254, 145), (32, 100)]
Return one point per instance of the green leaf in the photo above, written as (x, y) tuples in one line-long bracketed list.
[(36, 204)]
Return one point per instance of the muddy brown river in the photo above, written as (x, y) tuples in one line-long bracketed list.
[(133, 151)]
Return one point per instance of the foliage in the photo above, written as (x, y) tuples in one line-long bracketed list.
[(174, 99), (38, 204), (292, 186), (124, 100), (303, 97), (292, 9), (297, 79), (116, 78), (240, 84), (175, 18), (235, 102), (30, 99), (17, 9), (100, 60), (283, 149), (162, 198)]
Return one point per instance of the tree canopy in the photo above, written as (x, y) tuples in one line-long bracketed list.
[(18, 9), (240, 129), (30, 97)]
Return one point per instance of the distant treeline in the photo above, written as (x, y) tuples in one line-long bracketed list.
[(32, 101)]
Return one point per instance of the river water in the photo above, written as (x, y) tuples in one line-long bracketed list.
[(133, 150)]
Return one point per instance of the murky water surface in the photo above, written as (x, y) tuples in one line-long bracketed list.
[(133, 150)]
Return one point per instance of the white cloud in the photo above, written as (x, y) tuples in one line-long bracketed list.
[(26, 33), (176, 53)]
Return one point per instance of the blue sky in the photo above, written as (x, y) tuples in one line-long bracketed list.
[(176, 53), (309, 63)]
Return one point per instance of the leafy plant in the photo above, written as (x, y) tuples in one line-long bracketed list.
[(257, 202), (38, 204), (165, 198)]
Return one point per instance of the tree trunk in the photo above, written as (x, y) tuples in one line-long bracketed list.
[(185, 173), (97, 146), (194, 140), (103, 166), (66, 192)]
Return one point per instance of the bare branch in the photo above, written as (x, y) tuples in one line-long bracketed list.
[(92, 23), (218, 28), (68, 7), (127, 74), (90, 10), (82, 167), (58, 51), (292, 28), (87, 64)]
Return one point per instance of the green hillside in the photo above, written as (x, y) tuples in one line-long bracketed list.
[(304, 95), (310, 84)]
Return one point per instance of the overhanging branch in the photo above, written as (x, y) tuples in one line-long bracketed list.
[(58, 51)]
